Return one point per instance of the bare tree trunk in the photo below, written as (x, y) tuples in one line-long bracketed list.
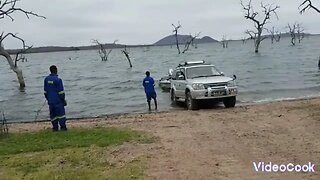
[(15, 69), (258, 41), (175, 31), (126, 53), (177, 43)]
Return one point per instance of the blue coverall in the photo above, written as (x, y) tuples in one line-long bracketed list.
[(54, 93), (148, 84)]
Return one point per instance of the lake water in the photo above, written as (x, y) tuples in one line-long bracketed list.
[(93, 88)]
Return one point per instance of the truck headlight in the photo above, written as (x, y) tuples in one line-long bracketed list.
[(197, 86), (231, 83)]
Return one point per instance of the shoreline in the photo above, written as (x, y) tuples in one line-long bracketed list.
[(116, 115)]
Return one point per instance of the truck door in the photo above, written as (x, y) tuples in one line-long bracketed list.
[(178, 83)]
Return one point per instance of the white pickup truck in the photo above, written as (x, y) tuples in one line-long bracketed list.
[(197, 80)]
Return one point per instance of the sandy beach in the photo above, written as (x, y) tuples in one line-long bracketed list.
[(218, 143)]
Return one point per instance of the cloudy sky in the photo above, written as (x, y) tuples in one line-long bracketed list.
[(76, 22)]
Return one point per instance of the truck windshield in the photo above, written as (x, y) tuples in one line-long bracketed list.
[(202, 71)]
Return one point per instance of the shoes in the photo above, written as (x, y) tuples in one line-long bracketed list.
[(63, 128)]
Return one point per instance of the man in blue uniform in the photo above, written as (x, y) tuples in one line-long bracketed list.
[(148, 84), (54, 93)]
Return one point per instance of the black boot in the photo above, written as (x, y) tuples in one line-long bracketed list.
[(63, 128)]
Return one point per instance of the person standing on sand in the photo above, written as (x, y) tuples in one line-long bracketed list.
[(148, 84), (54, 93)]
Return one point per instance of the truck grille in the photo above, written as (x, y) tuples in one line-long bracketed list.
[(215, 85)]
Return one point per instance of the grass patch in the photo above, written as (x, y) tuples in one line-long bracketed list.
[(76, 154), (46, 140)]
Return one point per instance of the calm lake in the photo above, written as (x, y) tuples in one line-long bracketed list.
[(93, 88)]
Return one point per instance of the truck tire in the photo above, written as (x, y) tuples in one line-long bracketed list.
[(191, 103), (173, 97), (229, 102)]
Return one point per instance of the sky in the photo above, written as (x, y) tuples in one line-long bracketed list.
[(77, 22)]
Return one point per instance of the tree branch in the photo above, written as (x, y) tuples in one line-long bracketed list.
[(186, 46), (9, 6), (307, 5)]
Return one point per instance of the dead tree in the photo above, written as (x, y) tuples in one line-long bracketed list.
[(7, 9), (13, 62), (275, 35), (224, 42), (104, 54), (243, 40), (175, 31), (307, 4), (272, 35), (296, 32), (278, 36), (190, 41), (252, 15), (126, 53), (300, 32), (292, 31)]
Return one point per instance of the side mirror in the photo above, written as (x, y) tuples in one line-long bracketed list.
[(234, 77), (170, 72), (181, 77), (222, 73)]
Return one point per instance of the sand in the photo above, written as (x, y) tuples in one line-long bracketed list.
[(219, 143)]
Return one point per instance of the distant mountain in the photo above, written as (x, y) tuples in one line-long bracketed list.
[(182, 39)]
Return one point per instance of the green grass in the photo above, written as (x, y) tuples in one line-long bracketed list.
[(46, 140), (76, 154)]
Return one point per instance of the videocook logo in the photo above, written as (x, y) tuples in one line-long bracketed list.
[(290, 167)]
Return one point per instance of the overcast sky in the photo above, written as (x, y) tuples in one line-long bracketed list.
[(76, 22)]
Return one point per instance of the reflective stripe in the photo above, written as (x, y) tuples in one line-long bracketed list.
[(58, 117), (61, 92), (50, 82)]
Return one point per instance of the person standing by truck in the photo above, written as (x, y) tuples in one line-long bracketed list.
[(148, 84)]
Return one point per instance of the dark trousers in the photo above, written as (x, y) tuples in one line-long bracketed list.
[(58, 116)]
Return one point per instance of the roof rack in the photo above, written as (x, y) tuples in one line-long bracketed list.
[(191, 63)]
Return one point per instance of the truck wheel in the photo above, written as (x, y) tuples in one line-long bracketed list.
[(191, 103), (229, 101), (173, 97)]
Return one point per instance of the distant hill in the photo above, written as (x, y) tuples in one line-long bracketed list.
[(182, 39), (78, 48)]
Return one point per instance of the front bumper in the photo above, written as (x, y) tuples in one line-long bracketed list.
[(214, 93)]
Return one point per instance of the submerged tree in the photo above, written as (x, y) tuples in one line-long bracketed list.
[(272, 35), (104, 54), (126, 53), (300, 32), (252, 15), (307, 4), (224, 42), (175, 31), (296, 32), (7, 9), (275, 35), (243, 40), (278, 36), (292, 32), (190, 41)]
